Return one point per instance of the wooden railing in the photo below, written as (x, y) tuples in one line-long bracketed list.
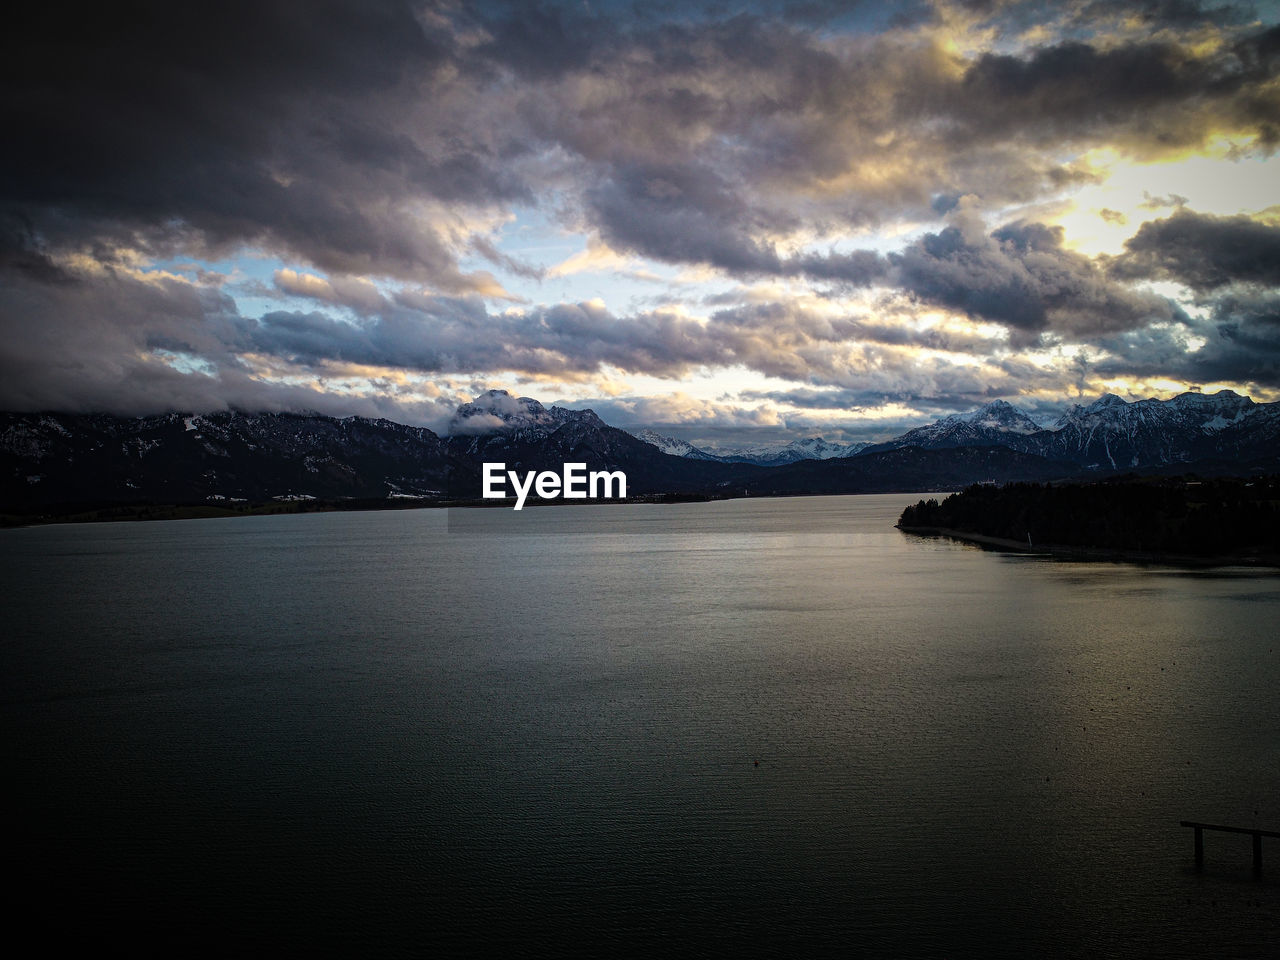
[(1253, 832)]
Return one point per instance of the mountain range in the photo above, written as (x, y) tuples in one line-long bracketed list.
[(48, 459), (775, 455), (1111, 434), (1107, 435)]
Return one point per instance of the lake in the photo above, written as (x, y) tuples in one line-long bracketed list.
[(741, 727)]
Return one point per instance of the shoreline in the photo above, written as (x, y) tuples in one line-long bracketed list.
[(116, 512), (1061, 551)]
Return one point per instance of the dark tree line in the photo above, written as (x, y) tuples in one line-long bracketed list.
[(1216, 517)]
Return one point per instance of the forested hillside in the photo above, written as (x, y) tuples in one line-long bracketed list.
[(1217, 517)]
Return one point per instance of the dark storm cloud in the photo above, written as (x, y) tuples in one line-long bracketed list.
[(1237, 342), (181, 127), (1243, 343), (442, 334), (326, 131), (705, 140), (1147, 94), (1021, 276), (859, 268), (1202, 251), (537, 41), (71, 342), (1063, 82), (692, 214), (447, 334), (681, 214), (21, 252), (383, 140)]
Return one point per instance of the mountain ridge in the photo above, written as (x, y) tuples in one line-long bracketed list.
[(51, 458), (769, 455), (1113, 434)]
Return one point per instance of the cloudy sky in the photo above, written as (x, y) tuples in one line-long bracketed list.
[(727, 221)]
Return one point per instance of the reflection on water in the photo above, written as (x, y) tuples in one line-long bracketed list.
[(415, 732)]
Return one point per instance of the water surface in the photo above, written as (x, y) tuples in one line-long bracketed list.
[(746, 726)]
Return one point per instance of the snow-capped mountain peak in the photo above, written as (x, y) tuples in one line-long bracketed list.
[(1107, 400), (1002, 416), (673, 446), (989, 425), (771, 455), (496, 411), (1110, 433), (808, 448), (1216, 411)]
